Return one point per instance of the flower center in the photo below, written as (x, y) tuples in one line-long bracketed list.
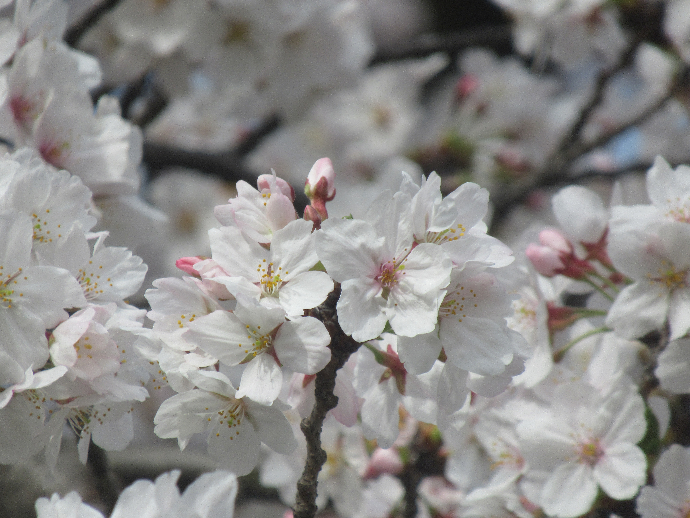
[(450, 234), (271, 279), (6, 292), (456, 303), (669, 277), (388, 276), (679, 211), (590, 452), (258, 343)]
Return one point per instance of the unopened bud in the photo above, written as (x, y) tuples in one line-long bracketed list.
[(545, 260), (320, 182), (383, 461), (554, 239), (186, 264)]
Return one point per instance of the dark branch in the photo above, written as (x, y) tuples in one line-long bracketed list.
[(342, 346), (91, 18), (496, 37)]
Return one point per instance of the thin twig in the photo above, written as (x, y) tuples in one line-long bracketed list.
[(556, 168), (91, 18), (342, 346)]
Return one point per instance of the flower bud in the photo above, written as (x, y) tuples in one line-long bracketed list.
[(554, 239), (383, 461), (545, 260), (186, 264), (320, 182)]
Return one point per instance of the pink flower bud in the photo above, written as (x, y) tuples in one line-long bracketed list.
[(186, 264), (545, 260), (554, 239), (383, 461), (466, 85), (271, 183), (320, 182)]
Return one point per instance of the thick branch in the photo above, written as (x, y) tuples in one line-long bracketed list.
[(342, 346), (91, 18), (496, 37)]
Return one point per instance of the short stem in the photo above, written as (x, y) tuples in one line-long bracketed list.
[(606, 281), (597, 287), (558, 355)]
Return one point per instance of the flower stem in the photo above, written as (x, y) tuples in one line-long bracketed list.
[(598, 288), (558, 355)]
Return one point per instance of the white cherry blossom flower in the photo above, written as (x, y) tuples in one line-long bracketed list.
[(278, 277), (235, 426), (585, 440), (383, 277), (655, 255), (261, 338), (668, 497)]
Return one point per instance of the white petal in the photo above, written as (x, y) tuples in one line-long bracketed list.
[(302, 345)]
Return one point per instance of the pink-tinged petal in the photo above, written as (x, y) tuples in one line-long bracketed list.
[(638, 309), (569, 491), (280, 211), (235, 448), (621, 471), (361, 310), (305, 291), (302, 345), (349, 249), (419, 353), (272, 427), (261, 380), (221, 334)]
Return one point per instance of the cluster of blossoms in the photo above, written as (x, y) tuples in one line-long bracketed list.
[(479, 381), (417, 287), (69, 339)]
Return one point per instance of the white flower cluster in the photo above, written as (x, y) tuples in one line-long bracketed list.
[(415, 286), (69, 340), (212, 495)]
